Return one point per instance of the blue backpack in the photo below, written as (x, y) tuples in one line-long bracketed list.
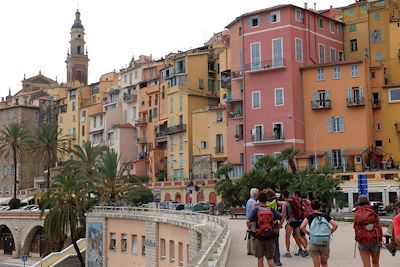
[(320, 231)]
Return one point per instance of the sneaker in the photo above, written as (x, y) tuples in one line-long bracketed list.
[(305, 253), (299, 252), (278, 263), (287, 255)]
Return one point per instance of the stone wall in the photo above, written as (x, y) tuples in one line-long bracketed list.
[(71, 261)]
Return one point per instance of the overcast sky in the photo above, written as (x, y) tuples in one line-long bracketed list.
[(35, 33)]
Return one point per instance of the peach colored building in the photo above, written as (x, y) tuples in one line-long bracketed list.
[(272, 45)]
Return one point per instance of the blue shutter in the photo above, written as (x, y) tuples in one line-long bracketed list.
[(269, 19), (341, 124), (327, 94), (249, 22), (259, 20), (330, 125)]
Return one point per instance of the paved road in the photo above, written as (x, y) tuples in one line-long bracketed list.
[(342, 250)]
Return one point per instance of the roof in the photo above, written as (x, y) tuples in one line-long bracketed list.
[(124, 125), (39, 79), (355, 151), (307, 155), (77, 22), (332, 64)]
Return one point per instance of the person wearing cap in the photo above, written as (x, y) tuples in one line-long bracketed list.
[(250, 205)]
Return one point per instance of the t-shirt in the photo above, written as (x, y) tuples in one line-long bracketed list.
[(312, 217), (249, 207), (396, 226)]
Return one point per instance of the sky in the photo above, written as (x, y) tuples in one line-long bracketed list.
[(36, 34)]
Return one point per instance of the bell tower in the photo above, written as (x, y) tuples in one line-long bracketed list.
[(77, 56)]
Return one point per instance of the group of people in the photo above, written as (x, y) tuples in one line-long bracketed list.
[(310, 228)]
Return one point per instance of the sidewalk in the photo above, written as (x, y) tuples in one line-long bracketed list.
[(342, 249), (6, 260)]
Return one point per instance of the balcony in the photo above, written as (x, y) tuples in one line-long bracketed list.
[(142, 122), (129, 97), (267, 65), (176, 129), (267, 139), (143, 140), (161, 135), (376, 104), (355, 101), (219, 150), (237, 75), (235, 115), (226, 79), (72, 136), (321, 104)]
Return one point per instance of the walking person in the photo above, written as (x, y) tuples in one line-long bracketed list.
[(368, 232), (267, 221), (274, 204), (321, 227), (395, 242), (250, 204)]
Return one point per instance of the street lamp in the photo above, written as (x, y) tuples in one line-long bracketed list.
[(314, 134)]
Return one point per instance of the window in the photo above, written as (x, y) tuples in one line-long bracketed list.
[(255, 56), (354, 70), (171, 104), (378, 127), (378, 143), (95, 89), (337, 73), (163, 249), (254, 159), (219, 143), (73, 118), (394, 95), (377, 16), (256, 102), (219, 116), (143, 245), (279, 100), (332, 27), (336, 125), (180, 254), (341, 56), (320, 74), (364, 9), (299, 49), (83, 130), (113, 241), (350, 12), (352, 27), (299, 16), (254, 21), (180, 103), (376, 36), (240, 31), (171, 251), (101, 120), (201, 84), (72, 94), (180, 142), (333, 55), (73, 106), (61, 119), (239, 132), (321, 23), (258, 133), (378, 56), (151, 72), (353, 45), (124, 243), (340, 29), (321, 54), (337, 158), (277, 52), (274, 17), (355, 96), (180, 66), (203, 145), (134, 245), (277, 129)]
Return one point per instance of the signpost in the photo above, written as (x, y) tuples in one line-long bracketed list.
[(24, 259), (362, 184)]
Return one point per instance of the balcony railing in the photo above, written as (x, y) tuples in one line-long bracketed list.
[(141, 122), (176, 129), (129, 97), (161, 135), (266, 65), (237, 75), (376, 104), (235, 114), (219, 149), (267, 138), (321, 104), (355, 101)]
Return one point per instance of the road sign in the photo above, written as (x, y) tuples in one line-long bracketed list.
[(24, 258), (362, 185), (157, 194)]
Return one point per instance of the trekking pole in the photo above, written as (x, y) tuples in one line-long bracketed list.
[(355, 245)]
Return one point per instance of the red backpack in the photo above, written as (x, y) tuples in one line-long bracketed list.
[(298, 209), (367, 227), (308, 211), (265, 222)]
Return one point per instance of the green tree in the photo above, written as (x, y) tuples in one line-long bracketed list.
[(13, 140), (139, 195), (47, 145), (229, 192), (66, 200), (224, 172), (290, 154)]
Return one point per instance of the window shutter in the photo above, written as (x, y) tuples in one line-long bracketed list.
[(249, 22), (329, 156), (315, 96), (252, 161), (341, 125), (349, 91), (361, 89), (269, 19), (259, 20), (330, 125), (327, 94)]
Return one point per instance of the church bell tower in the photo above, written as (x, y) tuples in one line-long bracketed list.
[(77, 58)]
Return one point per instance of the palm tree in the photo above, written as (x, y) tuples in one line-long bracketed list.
[(47, 145), (109, 183), (66, 200), (224, 171), (13, 138), (290, 154), (87, 160)]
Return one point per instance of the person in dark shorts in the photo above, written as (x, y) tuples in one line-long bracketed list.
[(265, 246)]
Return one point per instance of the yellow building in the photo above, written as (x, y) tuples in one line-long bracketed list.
[(372, 30)]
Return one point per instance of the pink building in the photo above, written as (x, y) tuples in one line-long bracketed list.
[(268, 48)]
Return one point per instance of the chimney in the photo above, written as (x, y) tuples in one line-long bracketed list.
[(305, 5), (315, 6)]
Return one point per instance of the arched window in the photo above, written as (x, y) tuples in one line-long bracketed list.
[(167, 197), (188, 199), (178, 198), (200, 197), (78, 50), (212, 198)]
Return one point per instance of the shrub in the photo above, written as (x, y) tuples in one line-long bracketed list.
[(14, 203)]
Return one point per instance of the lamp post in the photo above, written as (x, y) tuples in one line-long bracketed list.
[(314, 134)]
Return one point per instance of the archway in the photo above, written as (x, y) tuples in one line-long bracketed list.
[(167, 197), (178, 198), (35, 244), (7, 245), (200, 197), (212, 198), (188, 198)]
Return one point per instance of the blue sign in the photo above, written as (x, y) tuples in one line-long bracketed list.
[(157, 195), (24, 258), (362, 184)]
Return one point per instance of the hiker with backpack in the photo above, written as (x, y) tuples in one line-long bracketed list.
[(321, 227), (368, 232), (274, 204), (268, 221), (250, 204), (396, 225)]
